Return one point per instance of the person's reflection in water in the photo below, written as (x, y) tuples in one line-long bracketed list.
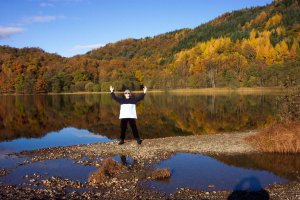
[(249, 188), (123, 160), (127, 161)]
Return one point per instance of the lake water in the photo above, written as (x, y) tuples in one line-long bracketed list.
[(235, 172), (30, 122)]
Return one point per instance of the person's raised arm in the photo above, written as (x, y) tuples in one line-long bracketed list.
[(117, 99), (111, 88), (141, 96)]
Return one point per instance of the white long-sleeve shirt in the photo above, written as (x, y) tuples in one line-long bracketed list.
[(128, 106)]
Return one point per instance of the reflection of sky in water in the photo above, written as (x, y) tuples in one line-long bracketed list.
[(64, 137), (10, 162), (64, 168), (199, 171)]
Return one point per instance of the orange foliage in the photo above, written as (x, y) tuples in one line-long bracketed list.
[(282, 137)]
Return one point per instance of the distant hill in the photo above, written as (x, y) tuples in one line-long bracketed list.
[(250, 47)]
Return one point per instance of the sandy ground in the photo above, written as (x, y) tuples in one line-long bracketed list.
[(230, 143), (127, 186)]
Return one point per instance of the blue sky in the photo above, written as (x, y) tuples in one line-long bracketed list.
[(70, 27)]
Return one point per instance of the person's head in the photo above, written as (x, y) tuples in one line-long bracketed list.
[(127, 94)]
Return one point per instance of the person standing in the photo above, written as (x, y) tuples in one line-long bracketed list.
[(128, 112)]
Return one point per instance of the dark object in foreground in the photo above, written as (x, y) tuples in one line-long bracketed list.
[(253, 190), (247, 195)]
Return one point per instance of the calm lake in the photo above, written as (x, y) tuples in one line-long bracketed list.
[(55, 120), (30, 122)]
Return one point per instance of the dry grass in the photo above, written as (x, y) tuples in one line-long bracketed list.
[(109, 169), (281, 137), (226, 91), (159, 174), (112, 169)]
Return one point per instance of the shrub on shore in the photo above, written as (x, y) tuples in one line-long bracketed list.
[(159, 174), (281, 137), (109, 169), (112, 169)]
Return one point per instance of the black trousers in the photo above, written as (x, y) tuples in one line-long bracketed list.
[(132, 123)]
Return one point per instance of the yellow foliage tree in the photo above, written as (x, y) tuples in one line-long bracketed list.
[(259, 19), (265, 51), (280, 30), (139, 76), (295, 49), (282, 50), (273, 21)]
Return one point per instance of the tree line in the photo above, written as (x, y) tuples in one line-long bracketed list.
[(247, 48)]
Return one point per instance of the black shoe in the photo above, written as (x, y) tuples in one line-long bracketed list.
[(121, 142), (139, 141)]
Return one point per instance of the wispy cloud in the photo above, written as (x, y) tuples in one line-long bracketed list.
[(67, 1), (89, 46), (46, 4), (41, 18), (6, 32), (52, 3)]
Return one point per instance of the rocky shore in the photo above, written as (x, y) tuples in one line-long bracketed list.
[(124, 182)]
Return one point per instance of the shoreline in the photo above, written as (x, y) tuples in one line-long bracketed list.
[(240, 91), (204, 91), (150, 152), (225, 143)]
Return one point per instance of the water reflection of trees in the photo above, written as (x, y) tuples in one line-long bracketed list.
[(283, 165), (210, 114), (159, 115)]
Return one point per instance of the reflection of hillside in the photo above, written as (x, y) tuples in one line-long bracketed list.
[(283, 165), (159, 115), (210, 114)]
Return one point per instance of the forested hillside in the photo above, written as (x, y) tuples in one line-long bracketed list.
[(250, 47)]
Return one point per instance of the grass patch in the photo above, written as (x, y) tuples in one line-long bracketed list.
[(281, 137), (112, 169), (109, 169), (159, 174)]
